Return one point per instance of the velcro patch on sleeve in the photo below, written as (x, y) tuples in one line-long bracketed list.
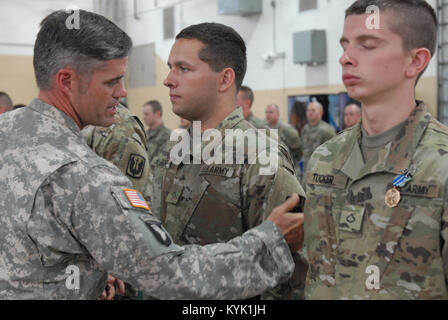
[(136, 199)]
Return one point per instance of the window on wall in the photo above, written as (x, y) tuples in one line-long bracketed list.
[(305, 5)]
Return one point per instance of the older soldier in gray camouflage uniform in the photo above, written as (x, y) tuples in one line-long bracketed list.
[(64, 208), (315, 132), (204, 201), (123, 144), (377, 208)]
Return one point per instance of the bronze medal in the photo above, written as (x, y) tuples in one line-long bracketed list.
[(392, 197)]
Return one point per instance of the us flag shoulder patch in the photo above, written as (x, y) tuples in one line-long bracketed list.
[(136, 199)]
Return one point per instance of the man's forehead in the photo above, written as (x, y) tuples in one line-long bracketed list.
[(184, 48), (356, 26)]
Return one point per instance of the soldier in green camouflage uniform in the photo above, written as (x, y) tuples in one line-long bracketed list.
[(288, 135), (68, 214), (157, 135), (208, 202), (377, 209), (245, 100), (123, 144), (315, 132)]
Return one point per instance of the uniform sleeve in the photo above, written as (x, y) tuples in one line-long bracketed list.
[(295, 145), (132, 245), (265, 192), (444, 233), (124, 146), (262, 192)]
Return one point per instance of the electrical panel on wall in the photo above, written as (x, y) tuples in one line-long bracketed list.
[(142, 66), (305, 5), (168, 23), (240, 7), (310, 47)]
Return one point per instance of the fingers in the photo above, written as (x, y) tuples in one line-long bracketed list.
[(121, 286), (110, 292), (289, 204)]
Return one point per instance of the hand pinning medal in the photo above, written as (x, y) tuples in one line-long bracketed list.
[(393, 196)]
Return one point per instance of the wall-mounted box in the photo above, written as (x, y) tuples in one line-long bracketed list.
[(240, 7), (310, 47), (142, 66)]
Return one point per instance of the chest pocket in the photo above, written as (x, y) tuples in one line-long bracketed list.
[(218, 215)]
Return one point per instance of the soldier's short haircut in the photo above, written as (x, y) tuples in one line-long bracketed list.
[(85, 49), (247, 94), (275, 106), (155, 105), (354, 102), (414, 20), (318, 104), (5, 100), (224, 48)]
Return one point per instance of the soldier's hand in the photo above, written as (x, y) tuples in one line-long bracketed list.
[(290, 224), (109, 291)]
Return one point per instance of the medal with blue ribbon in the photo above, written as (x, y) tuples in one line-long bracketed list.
[(393, 196)]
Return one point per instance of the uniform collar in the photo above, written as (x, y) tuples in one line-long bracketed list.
[(54, 113), (397, 155), (235, 117)]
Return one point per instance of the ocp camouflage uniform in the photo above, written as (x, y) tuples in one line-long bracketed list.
[(312, 137), (208, 203), (123, 144), (61, 205), (256, 122), (289, 136), (156, 139), (349, 228)]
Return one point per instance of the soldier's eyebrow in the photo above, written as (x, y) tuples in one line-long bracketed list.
[(361, 38), (179, 64), (114, 79)]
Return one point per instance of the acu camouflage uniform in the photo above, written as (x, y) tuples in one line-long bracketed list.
[(123, 144), (209, 203), (61, 205), (312, 137), (156, 139), (349, 227)]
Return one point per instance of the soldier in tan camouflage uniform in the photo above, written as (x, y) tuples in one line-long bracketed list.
[(315, 132), (123, 144), (157, 135), (245, 100), (288, 134), (208, 202), (69, 217), (377, 209)]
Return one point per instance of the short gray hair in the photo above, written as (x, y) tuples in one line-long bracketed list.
[(85, 49)]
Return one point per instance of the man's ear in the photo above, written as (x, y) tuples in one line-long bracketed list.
[(420, 58), (226, 79), (65, 80)]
